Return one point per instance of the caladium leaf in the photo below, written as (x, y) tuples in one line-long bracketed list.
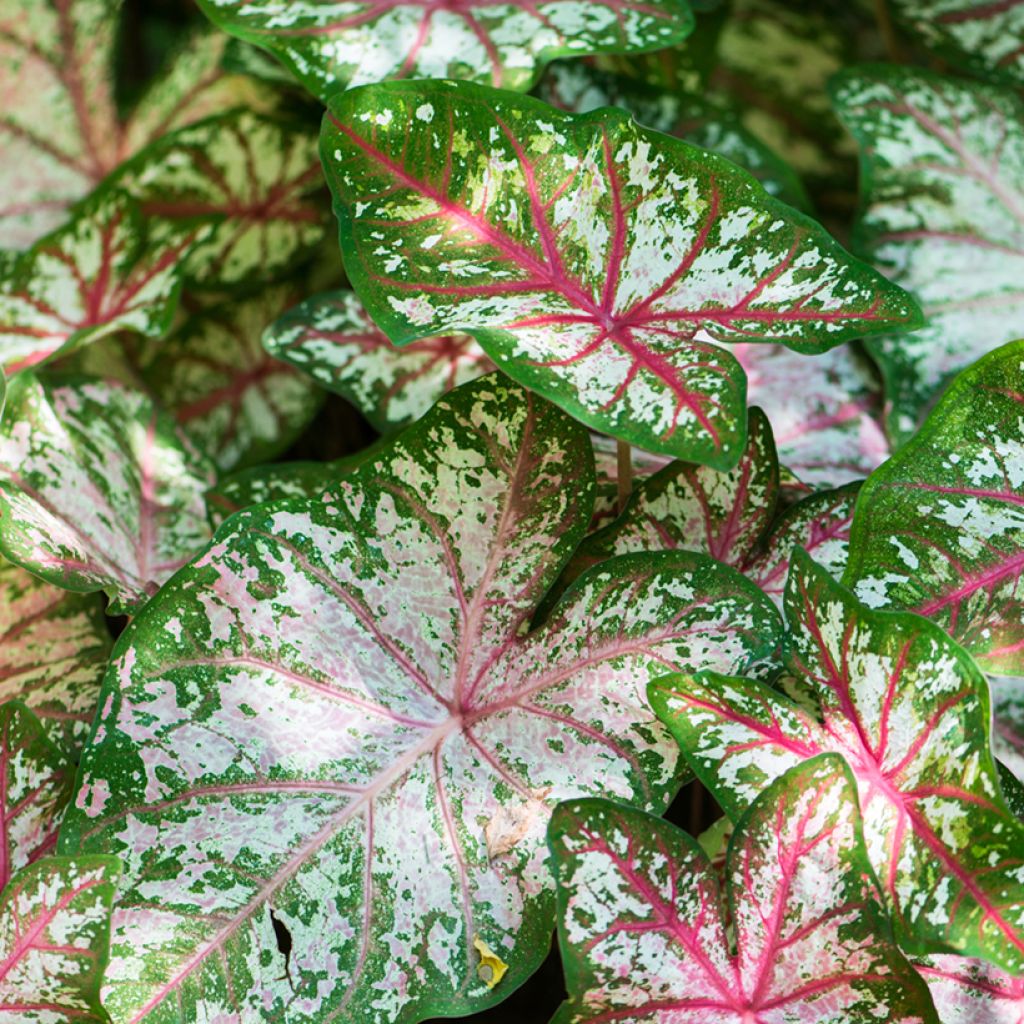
[(967, 991), (825, 411), (36, 779), (387, 616), (585, 253), (939, 528), (1008, 722), (908, 709), (53, 652), (106, 271), (645, 937), (984, 35), (237, 403), (818, 524), (54, 935), (330, 46), (580, 88), (943, 215), (261, 172), (332, 338), (60, 132), (98, 490)]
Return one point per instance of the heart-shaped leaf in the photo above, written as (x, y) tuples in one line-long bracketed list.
[(825, 411), (236, 402), (60, 132), (108, 270), (336, 720), (645, 936), (54, 935), (585, 253), (261, 173), (53, 653), (943, 214), (332, 338), (969, 991), (98, 490), (909, 711), (580, 88), (330, 46), (36, 780), (939, 528), (983, 35), (818, 524)]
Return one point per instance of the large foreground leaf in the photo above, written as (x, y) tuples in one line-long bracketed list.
[(943, 214), (334, 720), (98, 491), (53, 652), (60, 132), (108, 270), (329, 45), (644, 930), (585, 254), (54, 932), (909, 711), (332, 338), (939, 528), (986, 35)]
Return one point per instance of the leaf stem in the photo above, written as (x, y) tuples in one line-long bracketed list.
[(624, 472), (888, 32)]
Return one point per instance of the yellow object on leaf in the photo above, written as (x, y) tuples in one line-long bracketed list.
[(491, 968)]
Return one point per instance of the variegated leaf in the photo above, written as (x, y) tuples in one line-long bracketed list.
[(820, 525), (329, 45), (943, 215), (53, 653), (60, 133), (985, 35), (585, 254), (645, 936), (336, 721), (108, 270), (580, 88), (825, 411), (36, 780), (235, 402), (909, 711), (972, 992), (939, 528), (98, 490), (1008, 722), (54, 935), (332, 338), (261, 173)]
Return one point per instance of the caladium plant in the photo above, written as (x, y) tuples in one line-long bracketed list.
[(943, 214), (647, 932), (328, 45), (586, 255), (394, 609), (909, 711)]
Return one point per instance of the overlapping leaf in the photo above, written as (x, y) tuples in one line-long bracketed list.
[(1008, 722), (645, 936), (54, 932), (939, 528), (909, 711), (236, 402), (260, 173), (580, 88), (985, 35), (332, 338), (972, 992), (108, 270), (330, 46), (585, 254), (334, 717), (943, 215), (98, 491), (60, 132), (53, 652)]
